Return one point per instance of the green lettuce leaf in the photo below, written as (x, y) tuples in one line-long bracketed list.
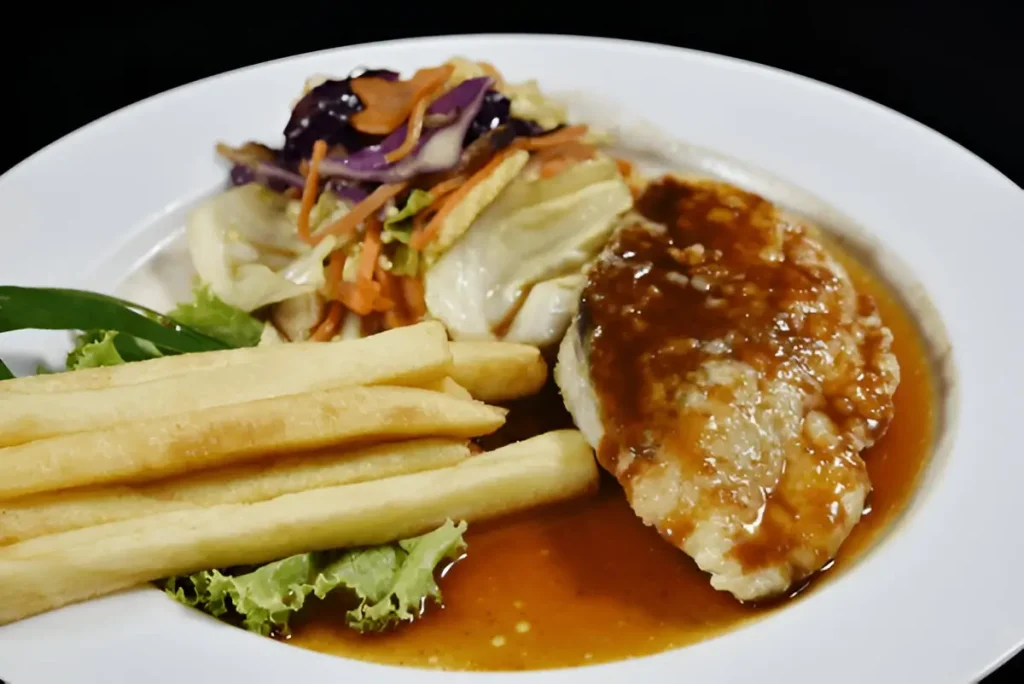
[(211, 316), (94, 348), (406, 261), (391, 582), (399, 227), (207, 314), (41, 308), (413, 582), (132, 348)]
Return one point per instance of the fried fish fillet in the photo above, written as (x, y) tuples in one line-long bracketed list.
[(729, 375)]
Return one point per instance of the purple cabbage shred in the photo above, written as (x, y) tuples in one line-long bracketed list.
[(324, 113)]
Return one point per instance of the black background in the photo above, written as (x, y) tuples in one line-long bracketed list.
[(956, 68)]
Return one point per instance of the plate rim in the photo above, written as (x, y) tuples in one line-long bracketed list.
[(738, 62), (454, 40)]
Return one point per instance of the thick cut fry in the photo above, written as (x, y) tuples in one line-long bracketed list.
[(498, 371), (399, 342), (34, 516), (150, 450), (421, 357), (449, 387), (48, 572)]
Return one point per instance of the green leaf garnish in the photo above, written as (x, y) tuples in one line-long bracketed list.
[(207, 313), (64, 309), (391, 582), (93, 350), (399, 227)]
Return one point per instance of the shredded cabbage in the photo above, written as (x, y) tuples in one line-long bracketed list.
[(246, 249), (475, 202), (513, 269)]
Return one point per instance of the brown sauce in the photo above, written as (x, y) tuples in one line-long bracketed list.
[(586, 582), (729, 352)]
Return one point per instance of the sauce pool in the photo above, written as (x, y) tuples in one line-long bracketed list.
[(585, 581)]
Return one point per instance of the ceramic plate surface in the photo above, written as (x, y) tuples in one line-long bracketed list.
[(937, 599)]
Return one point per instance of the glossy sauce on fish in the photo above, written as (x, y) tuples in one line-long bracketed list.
[(739, 375), (586, 582)]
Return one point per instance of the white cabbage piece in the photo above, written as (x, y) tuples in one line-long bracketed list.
[(547, 311), (351, 328), (528, 102), (518, 268), (477, 199), (296, 318), (244, 245)]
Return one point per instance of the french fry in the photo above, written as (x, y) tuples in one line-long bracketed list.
[(405, 358), (184, 364), (498, 371), (34, 516), (48, 572), (161, 447), (449, 387)]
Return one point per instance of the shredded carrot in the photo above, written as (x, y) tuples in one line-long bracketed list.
[(446, 186), (557, 158), (574, 150), (394, 317), (362, 211), (382, 303), (310, 190), (421, 219), (422, 236), (386, 104), (562, 135), (412, 291), (358, 297), (416, 116), (328, 328), (371, 251), (366, 294), (358, 300), (624, 167), (413, 132), (335, 270), (553, 167)]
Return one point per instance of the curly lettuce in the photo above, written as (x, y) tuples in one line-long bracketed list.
[(398, 227), (390, 583), (208, 314), (96, 348)]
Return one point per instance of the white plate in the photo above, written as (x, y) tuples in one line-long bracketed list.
[(938, 600)]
